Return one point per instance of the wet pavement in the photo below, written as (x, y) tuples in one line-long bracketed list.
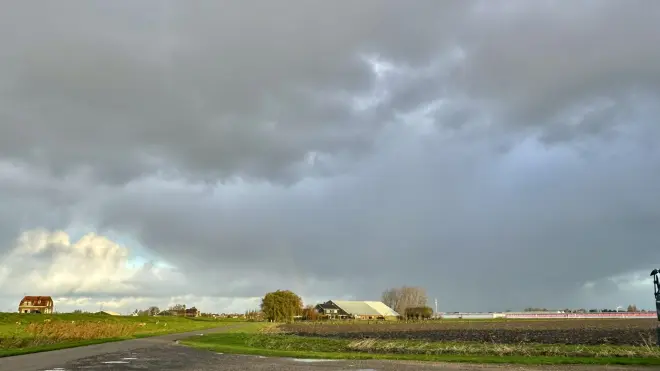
[(181, 358)]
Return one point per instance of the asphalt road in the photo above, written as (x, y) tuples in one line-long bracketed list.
[(163, 353)]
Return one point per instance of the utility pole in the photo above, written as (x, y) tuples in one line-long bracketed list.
[(436, 308), (656, 292)]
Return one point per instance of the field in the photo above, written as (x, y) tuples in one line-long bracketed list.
[(27, 333), (569, 332), (582, 341)]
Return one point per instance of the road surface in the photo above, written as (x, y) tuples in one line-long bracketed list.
[(162, 353)]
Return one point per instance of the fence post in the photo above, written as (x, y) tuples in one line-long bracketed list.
[(657, 309)]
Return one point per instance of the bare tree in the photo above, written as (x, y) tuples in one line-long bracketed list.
[(152, 311), (405, 297), (391, 298)]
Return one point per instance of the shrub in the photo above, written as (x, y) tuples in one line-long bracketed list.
[(419, 313)]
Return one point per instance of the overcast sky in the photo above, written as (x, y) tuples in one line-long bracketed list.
[(501, 154)]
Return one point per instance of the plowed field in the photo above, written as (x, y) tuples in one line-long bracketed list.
[(573, 331)]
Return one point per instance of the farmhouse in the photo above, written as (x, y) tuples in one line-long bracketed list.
[(341, 309), (36, 304)]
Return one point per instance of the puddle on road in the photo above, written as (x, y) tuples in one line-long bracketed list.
[(114, 362), (312, 360)]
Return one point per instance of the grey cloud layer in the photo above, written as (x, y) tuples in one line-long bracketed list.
[(542, 143), (449, 219), (217, 89)]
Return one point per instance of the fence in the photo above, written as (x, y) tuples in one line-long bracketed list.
[(581, 315), (521, 315)]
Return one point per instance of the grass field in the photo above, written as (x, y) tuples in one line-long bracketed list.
[(28, 333), (400, 341)]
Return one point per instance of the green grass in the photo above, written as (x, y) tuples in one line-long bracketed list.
[(279, 345), (16, 339), (7, 352), (250, 328)]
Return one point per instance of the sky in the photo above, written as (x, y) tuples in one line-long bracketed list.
[(499, 154)]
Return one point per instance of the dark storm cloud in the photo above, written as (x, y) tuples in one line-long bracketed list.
[(212, 89), (507, 159)]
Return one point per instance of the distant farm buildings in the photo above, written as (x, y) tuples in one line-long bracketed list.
[(36, 304), (365, 310)]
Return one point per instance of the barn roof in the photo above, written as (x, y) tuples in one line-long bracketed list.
[(365, 308), (382, 308)]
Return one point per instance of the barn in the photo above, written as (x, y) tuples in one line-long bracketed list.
[(365, 310)]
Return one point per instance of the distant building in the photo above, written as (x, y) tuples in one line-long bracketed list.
[(343, 309), (330, 310), (36, 304), (192, 312)]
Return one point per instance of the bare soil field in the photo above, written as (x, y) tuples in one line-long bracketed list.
[(572, 332)]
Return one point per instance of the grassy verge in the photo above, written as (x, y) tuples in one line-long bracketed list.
[(22, 334), (278, 345)]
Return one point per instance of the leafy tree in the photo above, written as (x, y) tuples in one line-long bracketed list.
[(281, 306), (310, 313), (419, 312)]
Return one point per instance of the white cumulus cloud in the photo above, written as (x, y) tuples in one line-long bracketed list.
[(43, 262)]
